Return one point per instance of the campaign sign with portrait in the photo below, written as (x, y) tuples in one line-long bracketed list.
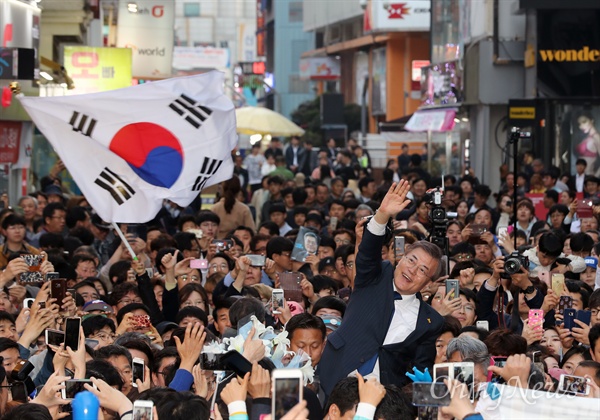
[(307, 243)]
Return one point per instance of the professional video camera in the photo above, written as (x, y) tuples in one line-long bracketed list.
[(514, 262), (439, 218)]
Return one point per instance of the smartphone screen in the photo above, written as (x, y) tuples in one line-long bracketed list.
[(75, 386), (286, 394), (398, 247), (58, 289), (55, 337), (573, 385), (142, 410), (138, 370), (277, 300), (72, 333), (452, 288), (234, 361), (430, 394), (493, 377)]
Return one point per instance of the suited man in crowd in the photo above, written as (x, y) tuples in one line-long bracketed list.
[(295, 155), (386, 326)]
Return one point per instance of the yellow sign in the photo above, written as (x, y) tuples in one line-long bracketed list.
[(582, 55), (98, 69), (521, 113)]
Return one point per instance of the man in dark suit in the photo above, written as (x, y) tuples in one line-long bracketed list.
[(295, 155), (387, 329)]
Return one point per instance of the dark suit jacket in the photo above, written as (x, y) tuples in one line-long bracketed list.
[(366, 323), (289, 157)]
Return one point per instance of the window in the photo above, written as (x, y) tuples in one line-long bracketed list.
[(295, 11), (191, 9)]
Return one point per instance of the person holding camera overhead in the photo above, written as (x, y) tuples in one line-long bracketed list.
[(380, 340)]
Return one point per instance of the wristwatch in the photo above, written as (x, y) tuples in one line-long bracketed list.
[(529, 290)]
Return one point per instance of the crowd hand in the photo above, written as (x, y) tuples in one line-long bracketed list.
[(68, 306), (466, 232), (254, 350), (46, 266), (49, 395), (183, 267), (560, 269), (550, 301), (516, 370), (359, 230), (466, 277), (594, 388), (212, 250), (530, 334), (193, 341), (269, 267), (448, 305), (38, 322), (169, 260), (419, 376), (371, 391), (581, 333), (566, 338), (308, 290), (259, 385), (313, 260), (285, 313), (418, 226), (14, 268), (155, 336), (298, 412), (78, 357), (394, 201), (505, 242), (22, 320), (109, 397), (126, 324), (200, 382), (460, 405), (138, 267), (60, 359), (147, 383), (16, 294), (42, 296), (488, 237), (242, 263), (56, 169), (235, 390)]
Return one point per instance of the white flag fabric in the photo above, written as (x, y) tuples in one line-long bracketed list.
[(128, 149)]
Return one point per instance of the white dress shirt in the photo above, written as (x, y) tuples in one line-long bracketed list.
[(579, 182)]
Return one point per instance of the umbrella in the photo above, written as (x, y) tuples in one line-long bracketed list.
[(257, 120)]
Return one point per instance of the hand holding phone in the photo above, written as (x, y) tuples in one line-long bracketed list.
[(277, 301), (137, 368), (286, 392), (452, 289), (72, 330)]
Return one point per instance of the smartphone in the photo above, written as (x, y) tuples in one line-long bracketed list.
[(398, 247), (558, 283), (483, 325), (141, 321), (199, 263), (73, 387), (72, 327), (223, 244), (583, 316), (142, 410), (277, 300), (138, 370), (476, 231), (54, 337), (333, 221), (430, 394), (58, 290), (499, 361), (452, 288), (564, 303), (52, 276), (536, 357), (287, 391), (585, 209), (503, 232), (572, 384), (234, 361), (544, 277), (290, 283), (570, 315), (18, 392), (72, 292), (150, 271), (256, 260), (463, 372), (212, 361), (28, 303), (536, 319)]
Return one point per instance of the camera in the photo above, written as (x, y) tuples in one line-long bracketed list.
[(514, 262)]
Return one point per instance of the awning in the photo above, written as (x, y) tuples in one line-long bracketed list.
[(432, 120)]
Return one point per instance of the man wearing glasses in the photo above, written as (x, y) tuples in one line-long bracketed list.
[(386, 325)]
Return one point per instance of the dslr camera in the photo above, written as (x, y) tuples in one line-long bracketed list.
[(514, 262)]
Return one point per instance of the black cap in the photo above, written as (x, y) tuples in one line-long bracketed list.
[(99, 223), (325, 262)]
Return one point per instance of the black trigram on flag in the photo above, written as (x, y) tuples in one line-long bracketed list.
[(209, 168), (192, 112), (82, 123), (117, 187)]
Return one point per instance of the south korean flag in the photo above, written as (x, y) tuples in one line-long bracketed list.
[(128, 149)]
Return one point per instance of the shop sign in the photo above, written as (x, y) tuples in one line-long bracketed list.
[(582, 55), (399, 16), (148, 32), (98, 69), (10, 138), (521, 113), (432, 120), (319, 68), (189, 58)]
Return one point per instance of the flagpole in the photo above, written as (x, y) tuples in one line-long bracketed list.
[(125, 241)]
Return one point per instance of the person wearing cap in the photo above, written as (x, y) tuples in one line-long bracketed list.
[(589, 275), (98, 327), (327, 268), (54, 194)]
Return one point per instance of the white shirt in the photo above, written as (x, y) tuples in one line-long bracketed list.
[(295, 151), (579, 182)]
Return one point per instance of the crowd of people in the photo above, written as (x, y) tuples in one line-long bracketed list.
[(364, 314)]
